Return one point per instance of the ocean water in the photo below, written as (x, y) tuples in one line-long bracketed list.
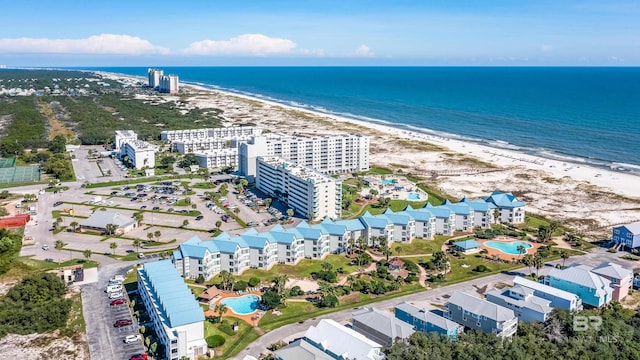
[(578, 114)]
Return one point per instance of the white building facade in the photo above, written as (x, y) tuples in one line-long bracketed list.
[(225, 133), (325, 154), (141, 153), (307, 192), (169, 84), (154, 75)]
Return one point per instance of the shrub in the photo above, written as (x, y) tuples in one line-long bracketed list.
[(330, 301), (200, 279), (346, 290), (481, 268), (215, 341), (612, 250), (240, 285), (227, 329), (411, 278), (254, 281)]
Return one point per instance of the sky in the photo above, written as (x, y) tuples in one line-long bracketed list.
[(320, 33)]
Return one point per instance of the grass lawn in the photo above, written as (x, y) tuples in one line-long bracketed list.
[(302, 269), (196, 290), (233, 344), (45, 265), (419, 246), (354, 209)]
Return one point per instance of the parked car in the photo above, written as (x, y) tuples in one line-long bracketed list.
[(156, 208), (132, 338), (116, 295), (143, 207), (45, 247), (57, 203), (119, 301), (199, 217), (140, 357), (122, 322)]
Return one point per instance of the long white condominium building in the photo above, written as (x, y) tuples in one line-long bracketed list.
[(175, 314), (155, 75), (201, 145), (124, 136), (169, 84), (218, 158), (226, 133), (306, 191), (261, 250), (325, 154)]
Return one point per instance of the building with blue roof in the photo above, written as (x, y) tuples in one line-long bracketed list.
[(464, 214), (511, 210), (445, 219), (424, 220), (404, 226), (483, 212), (175, 315), (467, 246), (378, 226)]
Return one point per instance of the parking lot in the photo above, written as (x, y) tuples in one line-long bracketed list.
[(105, 340)]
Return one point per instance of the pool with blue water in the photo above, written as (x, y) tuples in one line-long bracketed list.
[(510, 248), (242, 305)]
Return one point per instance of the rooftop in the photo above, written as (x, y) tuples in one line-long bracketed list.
[(634, 228), (544, 288), (481, 307), (467, 244), (384, 322), (99, 219), (302, 172), (427, 316), (342, 341)]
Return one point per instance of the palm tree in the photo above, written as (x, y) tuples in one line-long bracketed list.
[(386, 251), (267, 202), (157, 234), (113, 246), (441, 261), (111, 228), (187, 200), (59, 245), (227, 280), (528, 261), (383, 242), (290, 212), (218, 224), (87, 254), (538, 262), (138, 217), (496, 216), (326, 266), (521, 250), (74, 225), (136, 244), (398, 249), (564, 254), (185, 223), (59, 221), (312, 215), (150, 236), (221, 309), (279, 283), (194, 206), (351, 242), (236, 211)]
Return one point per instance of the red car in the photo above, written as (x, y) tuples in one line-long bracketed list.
[(122, 322), (140, 357), (119, 301)]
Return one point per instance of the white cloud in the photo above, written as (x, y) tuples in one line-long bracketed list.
[(363, 51), (246, 45), (98, 44)]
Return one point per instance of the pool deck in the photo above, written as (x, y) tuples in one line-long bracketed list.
[(505, 256), (248, 318)]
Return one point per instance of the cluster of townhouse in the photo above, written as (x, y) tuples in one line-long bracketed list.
[(261, 250), (164, 83), (141, 154)]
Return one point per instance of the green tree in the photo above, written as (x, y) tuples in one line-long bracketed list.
[(521, 251), (279, 283), (111, 229), (528, 261), (157, 234), (150, 236), (136, 244), (538, 262), (87, 253), (185, 222), (218, 224), (227, 280), (267, 202), (113, 246), (290, 212), (221, 309), (59, 245), (74, 225), (564, 254), (271, 300)]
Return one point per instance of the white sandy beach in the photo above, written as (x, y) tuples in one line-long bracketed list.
[(583, 196)]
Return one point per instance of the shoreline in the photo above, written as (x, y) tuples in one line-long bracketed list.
[(623, 183)]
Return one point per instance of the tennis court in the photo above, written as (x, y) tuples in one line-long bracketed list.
[(19, 174), (7, 162)]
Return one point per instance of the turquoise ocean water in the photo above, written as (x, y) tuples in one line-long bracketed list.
[(579, 114)]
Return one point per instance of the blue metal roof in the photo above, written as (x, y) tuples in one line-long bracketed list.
[(309, 233), (476, 205), (193, 240), (440, 211), (504, 200), (251, 231), (280, 235), (398, 218), (375, 221), (255, 241), (230, 246), (467, 244), (177, 255), (193, 250), (351, 225), (176, 304), (459, 208), (423, 214)]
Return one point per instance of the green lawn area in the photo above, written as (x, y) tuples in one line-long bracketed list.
[(354, 209), (302, 269), (196, 290), (44, 265), (419, 246), (233, 344), (379, 171)]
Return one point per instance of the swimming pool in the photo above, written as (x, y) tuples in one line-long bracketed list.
[(413, 196), (510, 248), (242, 305), (386, 181)]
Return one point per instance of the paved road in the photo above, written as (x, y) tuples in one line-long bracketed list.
[(424, 299)]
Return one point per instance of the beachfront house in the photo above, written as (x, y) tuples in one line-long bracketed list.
[(627, 235), (558, 298), (380, 326), (621, 279), (468, 246), (427, 321), (341, 343), (509, 209), (523, 302), (593, 289), (479, 314)]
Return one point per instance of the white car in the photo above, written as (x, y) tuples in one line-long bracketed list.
[(132, 338), (45, 247), (116, 295)]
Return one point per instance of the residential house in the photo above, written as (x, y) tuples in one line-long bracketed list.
[(427, 321), (621, 278), (480, 314), (627, 235), (340, 342), (593, 289), (380, 326), (559, 298), (301, 350), (522, 301)]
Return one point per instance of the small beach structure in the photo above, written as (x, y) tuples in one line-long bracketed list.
[(467, 246), (211, 294)]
